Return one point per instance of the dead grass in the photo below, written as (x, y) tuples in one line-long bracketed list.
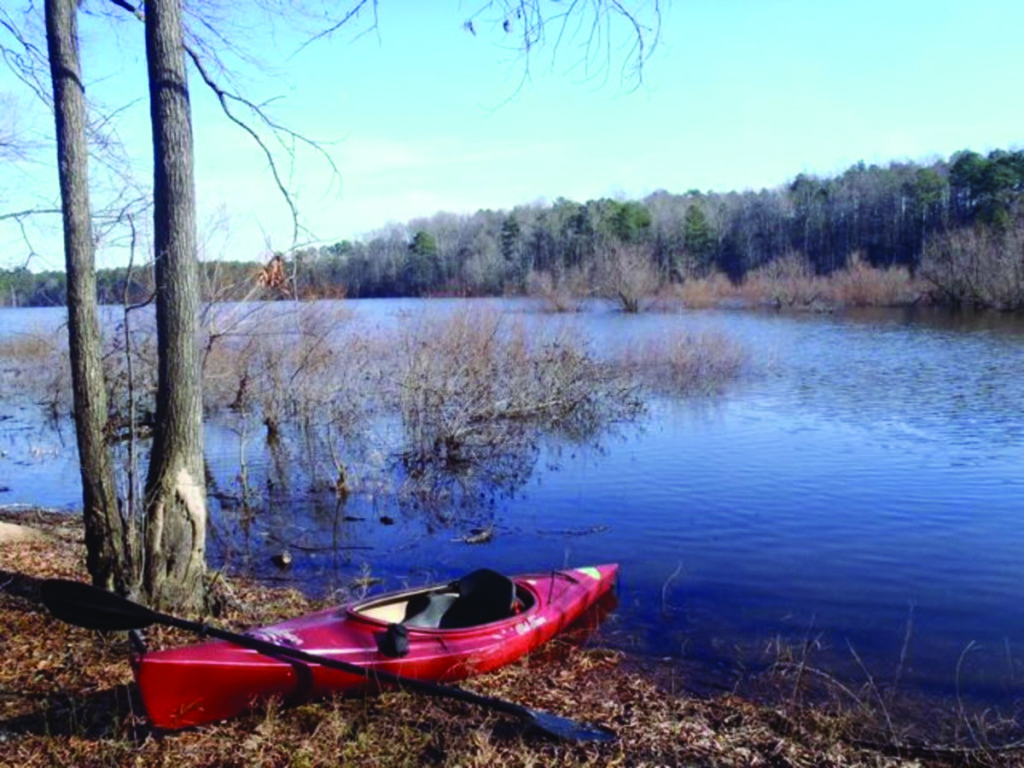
[(66, 698), (691, 364), (790, 283), (28, 347), (861, 285), (35, 364), (704, 293), (566, 292)]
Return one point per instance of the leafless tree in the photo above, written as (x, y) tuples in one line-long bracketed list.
[(104, 528), (627, 274), (978, 266), (176, 512)]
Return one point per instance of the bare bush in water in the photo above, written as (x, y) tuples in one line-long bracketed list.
[(458, 402), (565, 292), (694, 364), (791, 282), (35, 365), (861, 285), (627, 275), (979, 267), (702, 292), (296, 370), (282, 361), (475, 386), (787, 282), (130, 373)]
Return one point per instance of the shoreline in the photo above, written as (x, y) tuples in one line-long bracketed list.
[(67, 698)]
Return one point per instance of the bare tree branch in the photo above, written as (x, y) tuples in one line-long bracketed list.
[(352, 13), (19, 218), (137, 12), (26, 60), (21, 215), (591, 24)]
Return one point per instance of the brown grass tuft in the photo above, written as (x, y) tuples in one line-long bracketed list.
[(36, 365), (565, 292), (790, 283), (861, 285), (705, 292), (698, 364)]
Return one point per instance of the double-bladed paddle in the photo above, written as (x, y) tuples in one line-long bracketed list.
[(83, 605)]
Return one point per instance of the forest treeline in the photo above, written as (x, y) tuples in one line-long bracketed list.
[(958, 223)]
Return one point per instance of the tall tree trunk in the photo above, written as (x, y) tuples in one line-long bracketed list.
[(175, 493), (104, 528)]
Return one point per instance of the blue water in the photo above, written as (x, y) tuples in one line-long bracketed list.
[(865, 472)]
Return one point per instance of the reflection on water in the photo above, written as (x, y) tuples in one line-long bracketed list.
[(865, 478)]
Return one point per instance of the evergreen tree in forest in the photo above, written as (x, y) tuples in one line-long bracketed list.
[(629, 222), (422, 267), (699, 240), (510, 236)]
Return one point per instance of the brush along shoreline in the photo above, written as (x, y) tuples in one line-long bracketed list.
[(67, 698)]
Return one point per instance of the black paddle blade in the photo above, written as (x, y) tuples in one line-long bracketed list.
[(569, 730), (87, 606)]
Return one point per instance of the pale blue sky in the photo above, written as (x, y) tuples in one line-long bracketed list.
[(740, 94)]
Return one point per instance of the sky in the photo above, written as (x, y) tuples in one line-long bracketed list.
[(421, 116)]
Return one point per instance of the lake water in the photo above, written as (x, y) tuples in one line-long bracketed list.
[(865, 472)]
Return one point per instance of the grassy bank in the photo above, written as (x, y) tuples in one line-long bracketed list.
[(66, 698)]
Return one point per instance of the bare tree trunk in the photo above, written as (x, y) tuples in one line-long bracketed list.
[(176, 509), (104, 528)]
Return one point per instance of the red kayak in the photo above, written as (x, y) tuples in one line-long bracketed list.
[(441, 633)]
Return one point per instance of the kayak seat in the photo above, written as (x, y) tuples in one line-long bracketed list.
[(426, 609), (483, 596)]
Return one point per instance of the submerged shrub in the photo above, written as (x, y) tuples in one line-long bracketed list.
[(704, 292), (627, 275), (475, 386), (861, 285), (565, 292), (978, 267), (692, 364), (35, 365), (787, 281)]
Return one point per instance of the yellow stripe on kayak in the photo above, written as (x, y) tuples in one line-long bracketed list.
[(590, 571)]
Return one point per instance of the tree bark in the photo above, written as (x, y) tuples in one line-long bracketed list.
[(104, 529), (176, 511)]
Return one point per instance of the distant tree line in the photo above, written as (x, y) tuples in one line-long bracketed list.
[(888, 215)]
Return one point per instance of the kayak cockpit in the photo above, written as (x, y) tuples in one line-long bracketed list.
[(478, 598)]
